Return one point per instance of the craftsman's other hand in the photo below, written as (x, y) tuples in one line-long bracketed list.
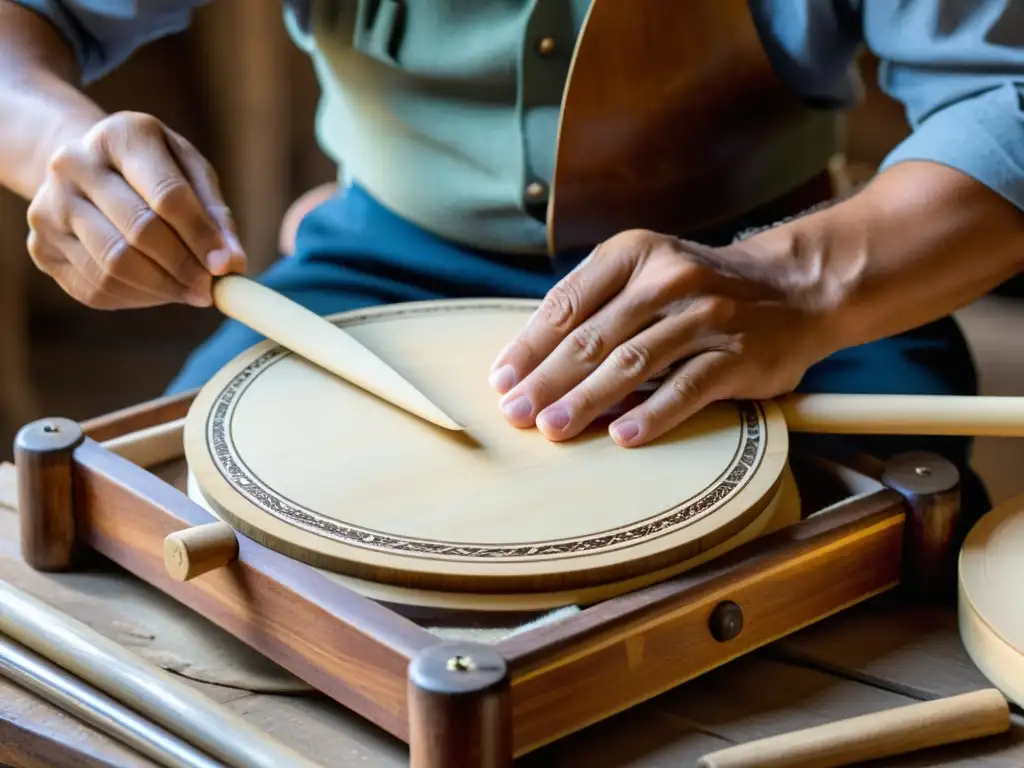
[(132, 216), (714, 323)]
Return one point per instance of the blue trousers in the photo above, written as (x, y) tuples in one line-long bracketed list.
[(352, 252)]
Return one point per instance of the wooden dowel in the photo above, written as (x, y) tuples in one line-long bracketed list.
[(874, 736), (46, 680), (143, 687), (904, 414), (460, 711), (151, 446), (46, 505), (198, 550)]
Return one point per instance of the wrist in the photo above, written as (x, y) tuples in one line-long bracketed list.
[(816, 266), (43, 100)]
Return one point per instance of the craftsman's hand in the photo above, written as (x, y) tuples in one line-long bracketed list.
[(132, 216), (721, 323)]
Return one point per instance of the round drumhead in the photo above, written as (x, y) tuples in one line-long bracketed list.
[(991, 593), (325, 472)]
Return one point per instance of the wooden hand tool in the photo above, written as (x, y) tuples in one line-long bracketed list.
[(307, 334), (884, 414), (870, 737)]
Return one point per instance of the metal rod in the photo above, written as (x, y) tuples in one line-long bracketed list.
[(143, 687), (35, 674)]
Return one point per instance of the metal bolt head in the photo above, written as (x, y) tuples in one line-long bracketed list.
[(461, 664)]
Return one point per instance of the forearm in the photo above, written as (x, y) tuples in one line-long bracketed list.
[(918, 243), (41, 109)]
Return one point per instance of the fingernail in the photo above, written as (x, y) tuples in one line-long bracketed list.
[(626, 431), (556, 417), (500, 357), (503, 379), (217, 261), (518, 409)]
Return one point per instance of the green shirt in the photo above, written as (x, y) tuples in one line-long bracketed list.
[(450, 118), (446, 110)]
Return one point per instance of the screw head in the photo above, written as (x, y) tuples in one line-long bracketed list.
[(461, 664), (726, 621), (922, 471)]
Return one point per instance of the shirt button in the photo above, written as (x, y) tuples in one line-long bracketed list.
[(535, 190), (546, 46)]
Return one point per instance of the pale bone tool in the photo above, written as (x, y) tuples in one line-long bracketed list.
[(310, 336)]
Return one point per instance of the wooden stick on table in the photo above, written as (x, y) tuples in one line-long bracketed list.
[(869, 737)]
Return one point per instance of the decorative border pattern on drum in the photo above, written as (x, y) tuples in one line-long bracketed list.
[(745, 462)]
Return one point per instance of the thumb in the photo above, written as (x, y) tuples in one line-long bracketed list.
[(232, 257)]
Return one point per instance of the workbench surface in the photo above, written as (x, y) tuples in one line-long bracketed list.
[(873, 657)]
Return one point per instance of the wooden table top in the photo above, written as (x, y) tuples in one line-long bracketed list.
[(876, 656)]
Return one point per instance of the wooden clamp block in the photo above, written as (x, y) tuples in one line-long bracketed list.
[(194, 551)]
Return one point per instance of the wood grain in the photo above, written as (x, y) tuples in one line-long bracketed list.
[(990, 594), (34, 734), (874, 414), (194, 551), (459, 707), (134, 418), (673, 119), (306, 333), (613, 656), (874, 736), (46, 505), (332, 476), (350, 648)]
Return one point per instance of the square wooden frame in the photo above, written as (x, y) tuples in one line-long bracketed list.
[(534, 687)]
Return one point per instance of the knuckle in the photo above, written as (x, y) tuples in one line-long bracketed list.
[(718, 310), (139, 223), (66, 160), (36, 250), (111, 255), (685, 389), (588, 344), (169, 194), (140, 122), (561, 306), (633, 359)]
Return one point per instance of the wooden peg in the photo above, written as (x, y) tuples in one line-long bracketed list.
[(194, 551), (871, 737)]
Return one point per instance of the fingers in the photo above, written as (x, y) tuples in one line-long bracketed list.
[(146, 212), (606, 339), (704, 379), (142, 156), (140, 253), (576, 297), (633, 363), (230, 258), (66, 260)]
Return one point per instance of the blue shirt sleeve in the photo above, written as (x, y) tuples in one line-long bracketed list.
[(104, 33), (958, 68)]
